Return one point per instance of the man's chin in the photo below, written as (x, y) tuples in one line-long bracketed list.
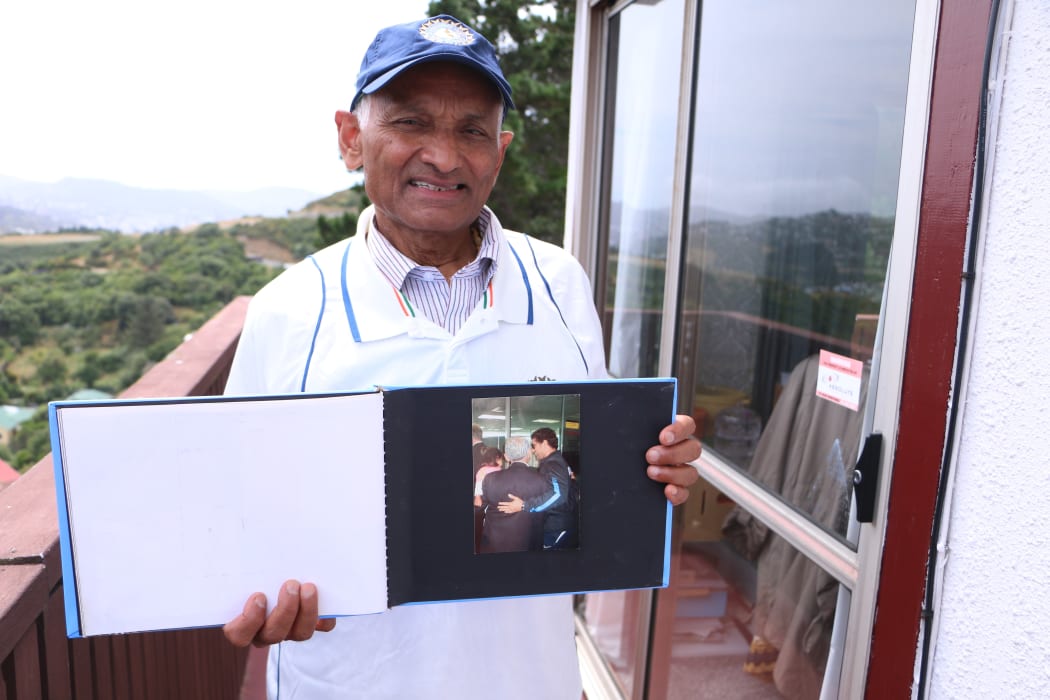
[(438, 220), (429, 223)]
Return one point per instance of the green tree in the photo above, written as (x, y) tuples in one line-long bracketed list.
[(18, 321), (9, 387), (333, 230), (111, 361), (97, 313), (89, 371), (146, 321), (535, 47), (31, 441), (52, 370)]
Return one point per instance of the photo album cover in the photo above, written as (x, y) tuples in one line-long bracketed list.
[(173, 511)]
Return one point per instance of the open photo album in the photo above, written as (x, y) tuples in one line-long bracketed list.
[(173, 511)]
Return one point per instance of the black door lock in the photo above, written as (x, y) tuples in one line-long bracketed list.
[(866, 477)]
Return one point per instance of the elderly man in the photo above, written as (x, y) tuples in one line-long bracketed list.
[(431, 290), (517, 531)]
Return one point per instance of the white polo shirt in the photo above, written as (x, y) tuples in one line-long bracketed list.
[(335, 323)]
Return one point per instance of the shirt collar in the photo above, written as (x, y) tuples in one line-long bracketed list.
[(379, 316), (396, 266)]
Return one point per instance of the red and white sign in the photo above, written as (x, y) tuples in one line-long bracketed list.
[(838, 379)]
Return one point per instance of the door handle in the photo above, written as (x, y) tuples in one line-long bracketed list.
[(866, 477)]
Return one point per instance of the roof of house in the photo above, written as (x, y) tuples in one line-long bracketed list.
[(13, 416), (89, 395), (7, 473)]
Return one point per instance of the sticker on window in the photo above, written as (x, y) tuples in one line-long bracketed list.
[(838, 379)]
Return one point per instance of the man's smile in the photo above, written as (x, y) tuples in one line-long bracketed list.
[(435, 188)]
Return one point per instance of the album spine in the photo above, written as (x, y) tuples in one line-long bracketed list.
[(399, 466)]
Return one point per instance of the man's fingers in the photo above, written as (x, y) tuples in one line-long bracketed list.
[(683, 475), (677, 480), (676, 494), (686, 451), (281, 619), (306, 621), (677, 444), (241, 630), (294, 618), (682, 427)]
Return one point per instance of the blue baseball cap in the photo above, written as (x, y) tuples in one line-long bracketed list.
[(440, 38)]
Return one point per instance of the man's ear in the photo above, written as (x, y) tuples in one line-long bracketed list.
[(349, 134), (505, 137)]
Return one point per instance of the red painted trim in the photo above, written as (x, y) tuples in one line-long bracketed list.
[(932, 336)]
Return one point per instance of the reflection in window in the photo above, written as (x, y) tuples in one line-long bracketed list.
[(612, 620), (644, 69), (738, 638), (797, 138), (645, 58), (796, 147)]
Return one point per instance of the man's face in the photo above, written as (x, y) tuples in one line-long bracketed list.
[(542, 449), (431, 147)]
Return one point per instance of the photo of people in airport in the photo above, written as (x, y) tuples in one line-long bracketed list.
[(526, 473)]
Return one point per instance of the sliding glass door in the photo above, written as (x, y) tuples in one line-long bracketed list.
[(751, 156)]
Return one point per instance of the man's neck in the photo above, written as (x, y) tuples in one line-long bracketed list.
[(449, 253)]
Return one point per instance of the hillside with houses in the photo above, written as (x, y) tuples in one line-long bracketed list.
[(84, 313)]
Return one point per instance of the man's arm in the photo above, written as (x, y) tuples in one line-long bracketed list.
[(537, 504)]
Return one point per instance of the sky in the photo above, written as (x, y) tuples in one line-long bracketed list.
[(779, 128), (192, 95)]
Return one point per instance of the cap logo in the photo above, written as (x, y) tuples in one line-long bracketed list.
[(445, 31)]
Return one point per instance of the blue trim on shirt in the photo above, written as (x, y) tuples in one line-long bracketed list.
[(352, 318), (550, 501), (525, 279), (317, 327), (553, 301), (346, 298)]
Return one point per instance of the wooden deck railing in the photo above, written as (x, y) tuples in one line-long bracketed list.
[(36, 658)]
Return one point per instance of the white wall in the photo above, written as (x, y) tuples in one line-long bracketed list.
[(994, 630)]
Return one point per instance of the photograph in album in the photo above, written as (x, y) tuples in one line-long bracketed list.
[(527, 469)]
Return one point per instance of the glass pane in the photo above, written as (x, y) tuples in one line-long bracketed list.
[(752, 618), (644, 70), (612, 620), (793, 183), (645, 59)]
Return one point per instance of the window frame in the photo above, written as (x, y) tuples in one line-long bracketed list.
[(892, 397)]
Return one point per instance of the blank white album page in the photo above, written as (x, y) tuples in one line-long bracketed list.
[(179, 511)]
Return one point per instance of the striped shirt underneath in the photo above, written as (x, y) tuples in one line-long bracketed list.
[(425, 291)]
